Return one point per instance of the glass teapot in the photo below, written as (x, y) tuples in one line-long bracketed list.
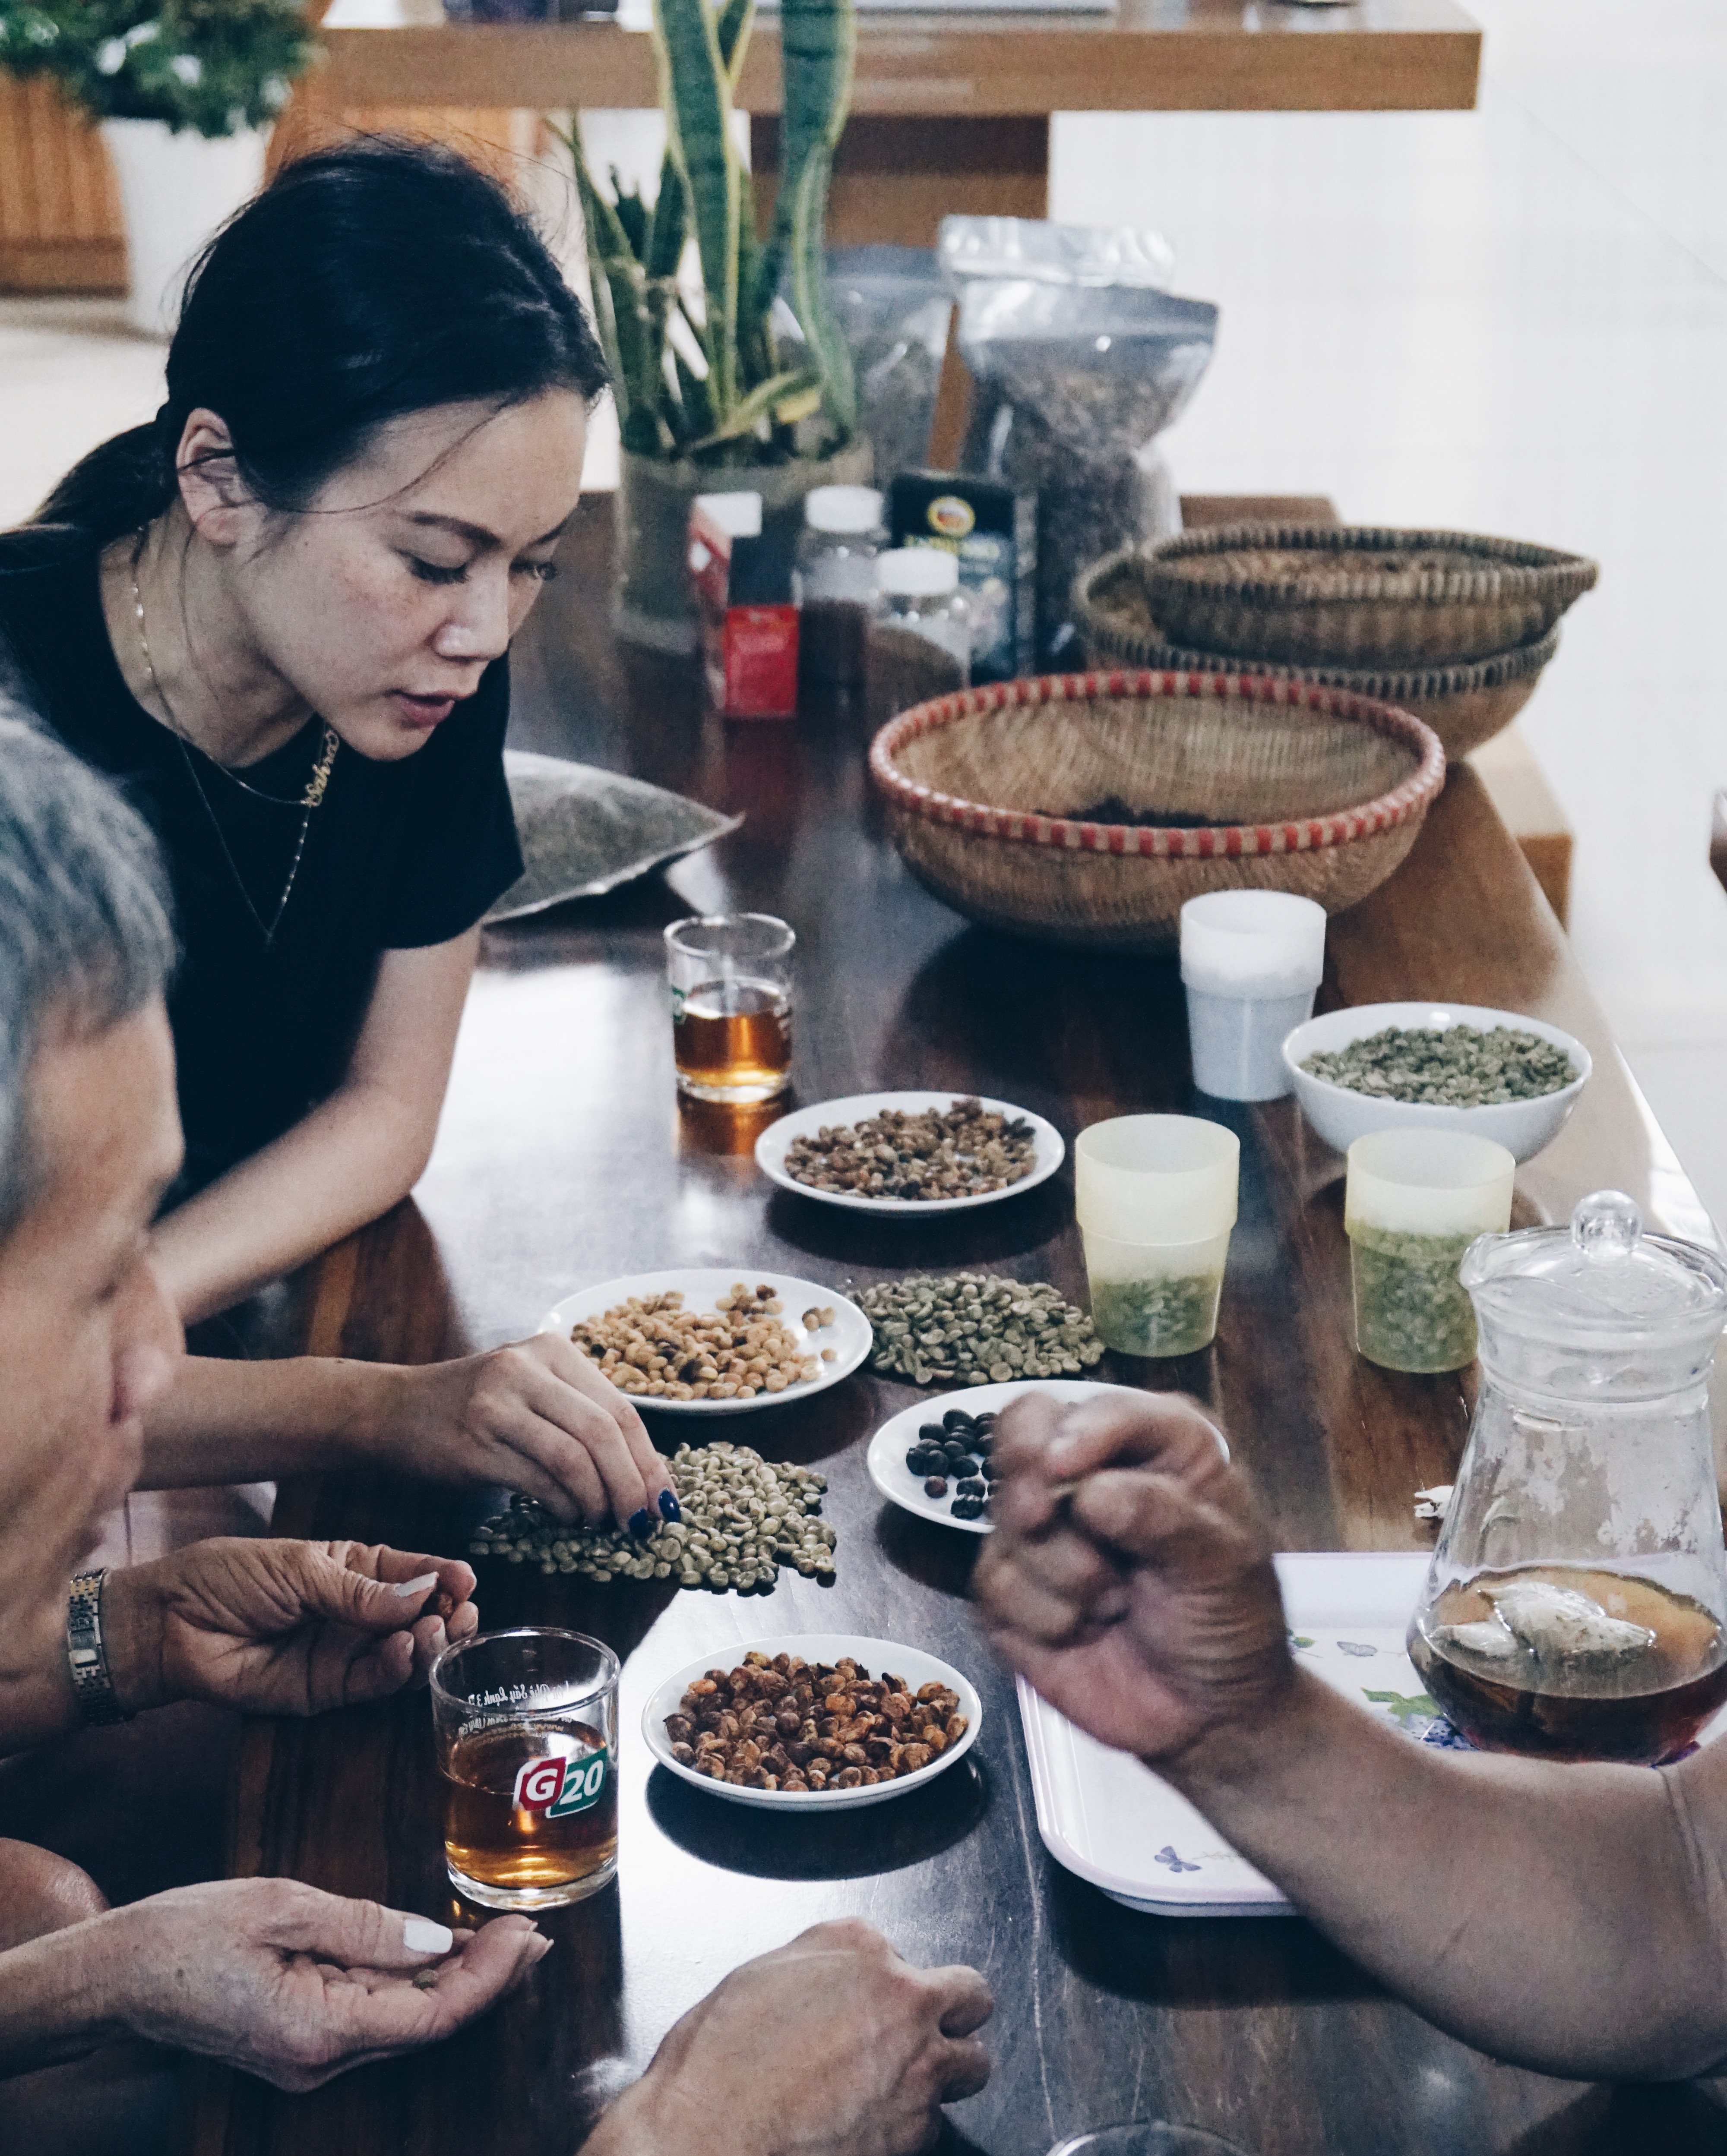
[(1576, 1604)]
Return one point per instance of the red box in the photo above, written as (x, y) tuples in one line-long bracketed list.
[(749, 627)]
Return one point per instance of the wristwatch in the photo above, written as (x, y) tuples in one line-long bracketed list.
[(86, 1653)]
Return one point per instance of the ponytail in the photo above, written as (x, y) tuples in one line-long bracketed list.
[(118, 488)]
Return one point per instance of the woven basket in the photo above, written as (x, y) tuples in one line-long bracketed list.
[(1347, 595), (1465, 705), (1311, 790)]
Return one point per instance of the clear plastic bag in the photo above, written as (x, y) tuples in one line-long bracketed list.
[(893, 307), (1081, 360)]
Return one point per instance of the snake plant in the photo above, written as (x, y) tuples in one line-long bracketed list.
[(737, 378)]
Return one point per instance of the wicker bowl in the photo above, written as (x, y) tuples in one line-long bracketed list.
[(1465, 705), (1269, 785), (1348, 595)]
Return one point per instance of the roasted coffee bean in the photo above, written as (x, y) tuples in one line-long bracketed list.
[(887, 1733), (935, 1487), (966, 1152)]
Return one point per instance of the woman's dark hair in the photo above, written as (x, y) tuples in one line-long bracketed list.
[(364, 283)]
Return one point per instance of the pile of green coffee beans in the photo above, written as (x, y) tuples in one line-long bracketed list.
[(976, 1328), (1453, 1066), (742, 1519)]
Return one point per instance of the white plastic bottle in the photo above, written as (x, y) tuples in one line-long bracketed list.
[(918, 590)]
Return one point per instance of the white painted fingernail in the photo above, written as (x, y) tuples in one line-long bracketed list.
[(417, 1586), (420, 1935)]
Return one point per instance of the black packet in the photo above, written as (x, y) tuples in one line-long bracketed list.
[(993, 532)]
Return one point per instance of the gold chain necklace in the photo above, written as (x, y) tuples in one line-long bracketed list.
[(313, 797)]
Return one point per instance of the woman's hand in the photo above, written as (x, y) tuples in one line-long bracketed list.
[(830, 2047), (1129, 1576), (538, 1417), (289, 1983), (275, 1627)]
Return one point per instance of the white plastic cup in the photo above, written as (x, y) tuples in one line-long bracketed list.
[(1156, 1178), (1250, 961), (1414, 1202), (1156, 1198)]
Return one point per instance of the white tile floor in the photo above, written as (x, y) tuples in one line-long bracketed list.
[(1513, 320)]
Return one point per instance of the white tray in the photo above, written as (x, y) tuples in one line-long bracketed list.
[(1104, 1816)]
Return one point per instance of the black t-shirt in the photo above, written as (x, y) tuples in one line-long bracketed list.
[(396, 856)]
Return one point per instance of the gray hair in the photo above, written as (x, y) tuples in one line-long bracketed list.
[(85, 921)]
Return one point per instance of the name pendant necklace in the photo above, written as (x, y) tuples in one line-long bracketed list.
[(315, 785)]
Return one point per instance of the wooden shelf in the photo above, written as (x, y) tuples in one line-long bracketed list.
[(1154, 56)]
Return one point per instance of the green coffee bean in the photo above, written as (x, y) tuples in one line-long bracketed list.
[(743, 1518), (969, 1329), (1453, 1066)]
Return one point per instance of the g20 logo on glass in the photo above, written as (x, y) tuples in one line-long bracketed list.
[(558, 1787)]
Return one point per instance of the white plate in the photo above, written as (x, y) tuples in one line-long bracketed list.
[(1341, 1115), (886, 1458), (848, 1336), (1049, 1150), (876, 1656)]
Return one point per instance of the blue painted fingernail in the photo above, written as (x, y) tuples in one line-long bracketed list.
[(669, 1509), (641, 1523)]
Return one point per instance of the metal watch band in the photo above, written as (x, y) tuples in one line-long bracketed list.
[(85, 1652)]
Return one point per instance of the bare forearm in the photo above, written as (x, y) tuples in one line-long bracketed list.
[(348, 1161), (1559, 1916), (50, 2007), (244, 1422)]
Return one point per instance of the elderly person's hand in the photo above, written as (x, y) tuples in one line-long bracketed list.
[(285, 1981), (831, 2045), (1129, 1576), (279, 1627), (536, 1416)]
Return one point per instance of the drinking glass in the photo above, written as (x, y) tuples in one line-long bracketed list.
[(526, 1729), (1147, 2137), (730, 1005)]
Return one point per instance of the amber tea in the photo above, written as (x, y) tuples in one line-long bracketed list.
[(531, 1808), (731, 981), (1567, 1662), (732, 1041), (527, 1724)]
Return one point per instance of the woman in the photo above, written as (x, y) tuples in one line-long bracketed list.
[(280, 615)]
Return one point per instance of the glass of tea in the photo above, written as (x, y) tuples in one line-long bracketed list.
[(526, 1729), (730, 1005)]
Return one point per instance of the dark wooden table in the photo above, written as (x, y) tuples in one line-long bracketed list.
[(563, 1159)]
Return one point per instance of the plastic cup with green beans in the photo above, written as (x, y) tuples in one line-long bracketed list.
[(1415, 1200), (1156, 1197)]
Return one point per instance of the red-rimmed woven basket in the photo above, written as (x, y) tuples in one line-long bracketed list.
[(1313, 790)]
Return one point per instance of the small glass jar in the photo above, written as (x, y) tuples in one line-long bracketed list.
[(918, 590), (833, 579)]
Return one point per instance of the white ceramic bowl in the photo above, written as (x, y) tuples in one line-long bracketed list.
[(850, 1336), (1049, 1150), (876, 1656), (1341, 1116)]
